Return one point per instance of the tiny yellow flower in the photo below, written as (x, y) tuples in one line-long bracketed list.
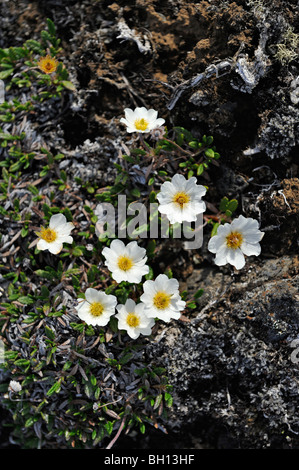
[(47, 64)]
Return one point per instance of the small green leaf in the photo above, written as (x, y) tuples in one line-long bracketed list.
[(198, 294), (51, 27), (200, 169), (193, 144), (209, 153), (55, 388), (135, 192), (158, 401), (50, 333), (223, 204), (150, 274), (232, 205), (5, 74), (26, 300), (214, 229), (68, 85)]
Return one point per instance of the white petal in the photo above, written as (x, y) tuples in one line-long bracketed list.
[(251, 250), (216, 243), (152, 115), (161, 282), (130, 305), (91, 295), (179, 181), (130, 116), (65, 239), (154, 124), (253, 236), (236, 258), (57, 220), (42, 244), (55, 247), (221, 257)]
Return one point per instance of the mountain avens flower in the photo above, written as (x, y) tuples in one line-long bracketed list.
[(234, 240), (180, 199), (141, 120), (131, 317), (162, 299), (57, 233), (97, 308), (126, 262), (15, 386), (47, 64)]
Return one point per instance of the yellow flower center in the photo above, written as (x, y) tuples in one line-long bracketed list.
[(133, 320), (161, 300), (181, 199), (234, 240), (48, 234), (47, 64), (141, 124), (96, 309), (124, 263)]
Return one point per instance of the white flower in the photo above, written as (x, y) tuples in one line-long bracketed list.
[(162, 299), (15, 386), (141, 120), (180, 199), (235, 240), (53, 237), (131, 318), (126, 263), (97, 308)]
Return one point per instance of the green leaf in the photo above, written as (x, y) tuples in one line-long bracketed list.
[(183, 133), (45, 274), (193, 144), (232, 205), (5, 74), (168, 399), (142, 428), (158, 401), (55, 388), (200, 169), (150, 274), (68, 85), (51, 27), (209, 153), (210, 140), (93, 380), (151, 246), (76, 251), (198, 294), (50, 333), (26, 300), (113, 323), (223, 204), (214, 229), (29, 422), (135, 192)]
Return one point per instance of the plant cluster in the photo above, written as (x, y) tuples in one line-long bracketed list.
[(75, 357)]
